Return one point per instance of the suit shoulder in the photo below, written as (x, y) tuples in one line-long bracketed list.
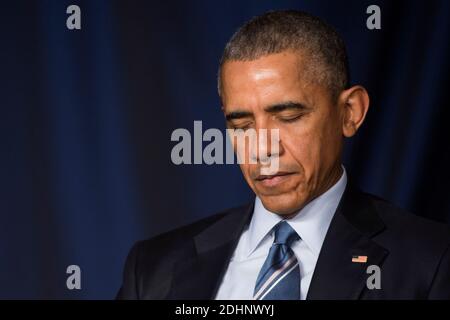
[(149, 265), (179, 236), (408, 226)]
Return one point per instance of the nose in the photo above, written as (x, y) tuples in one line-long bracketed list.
[(268, 146)]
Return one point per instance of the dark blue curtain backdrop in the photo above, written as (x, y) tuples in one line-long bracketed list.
[(87, 118)]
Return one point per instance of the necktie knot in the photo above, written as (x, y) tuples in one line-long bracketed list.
[(284, 234)]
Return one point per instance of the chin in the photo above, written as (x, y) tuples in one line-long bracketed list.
[(283, 205)]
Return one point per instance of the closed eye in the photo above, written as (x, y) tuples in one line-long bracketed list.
[(288, 111), (289, 119), (289, 115), (240, 125)]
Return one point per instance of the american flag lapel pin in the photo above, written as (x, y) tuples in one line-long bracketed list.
[(359, 259)]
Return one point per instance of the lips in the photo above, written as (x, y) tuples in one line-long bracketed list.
[(274, 179)]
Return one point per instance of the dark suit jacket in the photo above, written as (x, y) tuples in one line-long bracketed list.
[(413, 254)]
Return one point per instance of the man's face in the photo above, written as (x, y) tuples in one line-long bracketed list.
[(272, 92)]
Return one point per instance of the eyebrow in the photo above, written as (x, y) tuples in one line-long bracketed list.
[(238, 115), (279, 107), (290, 105)]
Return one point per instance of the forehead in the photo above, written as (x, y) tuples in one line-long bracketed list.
[(266, 80)]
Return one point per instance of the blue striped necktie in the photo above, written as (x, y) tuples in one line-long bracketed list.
[(279, 278)]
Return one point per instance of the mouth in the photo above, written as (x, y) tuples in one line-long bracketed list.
[(273, 179)]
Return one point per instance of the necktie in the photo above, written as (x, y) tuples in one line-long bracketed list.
[(279, 278)]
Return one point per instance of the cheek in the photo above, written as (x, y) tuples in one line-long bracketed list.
[(302, 143), (310, 144), (247, 171)]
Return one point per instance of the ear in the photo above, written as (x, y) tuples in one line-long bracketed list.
[(355, 102)]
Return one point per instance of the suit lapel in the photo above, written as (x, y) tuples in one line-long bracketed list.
[(335, 277), (199, 276), (349, 234)]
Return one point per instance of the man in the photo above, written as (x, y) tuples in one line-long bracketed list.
[(310, 233)]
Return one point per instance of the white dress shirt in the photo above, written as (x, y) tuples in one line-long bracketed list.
[(311, 223)]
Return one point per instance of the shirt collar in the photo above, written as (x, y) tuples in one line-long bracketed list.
[(311, 223)]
